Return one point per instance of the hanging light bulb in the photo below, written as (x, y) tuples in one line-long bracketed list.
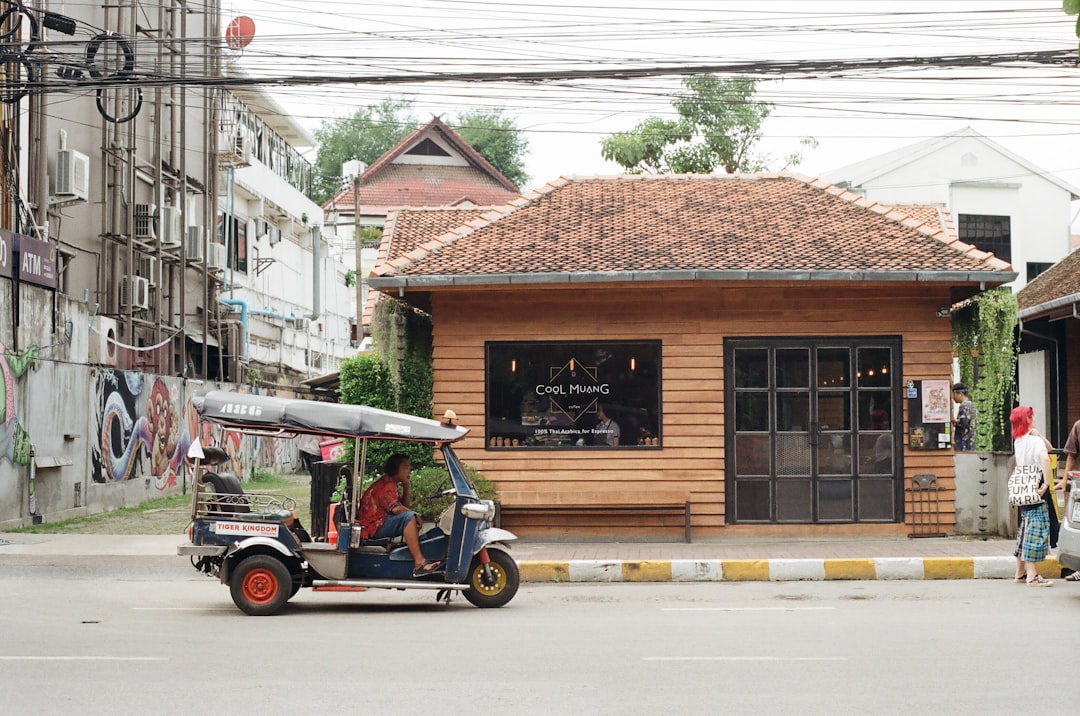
[(513, 365)]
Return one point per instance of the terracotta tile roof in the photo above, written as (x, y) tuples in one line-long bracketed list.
[(935, 216), (388, 184), (698, 223), (406, 229), (1060, 282), (424, 185)]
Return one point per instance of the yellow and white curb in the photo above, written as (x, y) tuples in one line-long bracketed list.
[(776, 570)]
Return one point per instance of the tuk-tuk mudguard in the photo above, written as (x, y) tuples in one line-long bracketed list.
[(493, 534), (260, 545)]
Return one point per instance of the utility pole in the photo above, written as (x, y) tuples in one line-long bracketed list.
[(361, 280)]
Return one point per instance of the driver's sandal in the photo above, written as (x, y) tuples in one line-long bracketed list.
[(428, 567)]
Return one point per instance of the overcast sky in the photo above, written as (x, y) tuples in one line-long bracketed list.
[(1031, 111)]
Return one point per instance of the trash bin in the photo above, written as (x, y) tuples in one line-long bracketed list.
[(324, 478)]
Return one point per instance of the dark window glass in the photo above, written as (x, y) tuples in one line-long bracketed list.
[(794, 501), (987, 232), (752, 411), (235, 240), (834, 367), (752, 368), (752, 500), (792, 368), (574, 394), (1034, 268)]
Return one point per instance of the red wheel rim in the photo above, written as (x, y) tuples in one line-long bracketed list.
[(260, 586)]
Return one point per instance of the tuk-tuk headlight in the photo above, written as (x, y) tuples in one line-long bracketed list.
[(482, 510)]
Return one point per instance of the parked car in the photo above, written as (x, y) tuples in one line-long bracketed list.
[(1069, 538)]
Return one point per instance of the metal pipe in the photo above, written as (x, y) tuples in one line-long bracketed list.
[(316, 269)]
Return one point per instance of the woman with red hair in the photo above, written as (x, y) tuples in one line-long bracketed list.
[(1033, 529)]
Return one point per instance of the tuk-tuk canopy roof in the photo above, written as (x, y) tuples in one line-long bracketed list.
[(260, 412)]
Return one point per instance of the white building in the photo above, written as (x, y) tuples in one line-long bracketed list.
[(1000, 202), (284, 279)]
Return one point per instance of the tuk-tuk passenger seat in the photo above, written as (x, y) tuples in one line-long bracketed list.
[(228, 494)]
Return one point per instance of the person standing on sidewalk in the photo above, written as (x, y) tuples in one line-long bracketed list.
[(310, 452), (1033, 529), (964, 422)]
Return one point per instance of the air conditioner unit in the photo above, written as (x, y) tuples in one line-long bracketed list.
[(72, 175), (235, 151), (195, 248), (169, 228), (134, 293), (215, 255), (150, 269), (145, 221), (104, 337), (300, 324)]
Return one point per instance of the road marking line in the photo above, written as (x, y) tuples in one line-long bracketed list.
[(183, 609), (744, 658), (746, 609), (83, 658)]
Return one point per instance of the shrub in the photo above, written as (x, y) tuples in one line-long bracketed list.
[(429, 480)]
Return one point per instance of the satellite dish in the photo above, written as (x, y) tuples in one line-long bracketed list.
[(240, 32)]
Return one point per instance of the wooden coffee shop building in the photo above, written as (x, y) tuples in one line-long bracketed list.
[(771, 349)]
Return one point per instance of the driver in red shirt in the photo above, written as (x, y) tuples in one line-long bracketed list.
[(385, 513)]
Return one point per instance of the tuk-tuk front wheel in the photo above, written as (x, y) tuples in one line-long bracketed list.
[(260, 585), (496, 585)]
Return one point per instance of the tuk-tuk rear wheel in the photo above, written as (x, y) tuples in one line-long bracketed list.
[(498, 588), (260, 585)]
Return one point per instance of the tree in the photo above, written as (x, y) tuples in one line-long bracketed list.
[(718, 125), (496, 138), (367, 135), (1072, 7)]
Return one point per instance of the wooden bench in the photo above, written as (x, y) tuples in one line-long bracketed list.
[(595, 502)]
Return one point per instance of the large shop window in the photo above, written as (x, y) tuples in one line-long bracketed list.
[(573, 395)]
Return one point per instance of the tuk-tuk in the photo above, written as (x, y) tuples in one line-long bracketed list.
[(253, 544)]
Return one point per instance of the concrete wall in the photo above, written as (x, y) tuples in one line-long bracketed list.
[(982, 504), (78, 439)]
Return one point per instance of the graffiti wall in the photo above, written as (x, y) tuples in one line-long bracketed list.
[(14, 439), (144, 425)]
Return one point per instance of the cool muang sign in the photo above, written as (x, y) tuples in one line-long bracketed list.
[(573, 394)]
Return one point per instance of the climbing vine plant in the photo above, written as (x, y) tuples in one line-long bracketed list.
[(984, 339)]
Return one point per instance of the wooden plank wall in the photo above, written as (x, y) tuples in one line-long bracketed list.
[(692, 322)]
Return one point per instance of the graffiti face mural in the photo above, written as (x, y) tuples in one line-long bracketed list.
[(133, 426)]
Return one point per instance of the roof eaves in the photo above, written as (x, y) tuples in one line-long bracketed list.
[(1048, 306), (688, 275)]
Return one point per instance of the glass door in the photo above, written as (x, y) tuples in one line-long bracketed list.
[(810, 431)]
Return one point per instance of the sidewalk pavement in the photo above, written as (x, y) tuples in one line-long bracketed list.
[(727, 559)]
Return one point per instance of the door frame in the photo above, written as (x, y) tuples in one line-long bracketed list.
[(812, 344)]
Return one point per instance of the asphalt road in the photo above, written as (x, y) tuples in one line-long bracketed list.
[(124, 635)]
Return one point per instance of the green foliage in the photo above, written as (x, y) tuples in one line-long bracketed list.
[(497, 139), (719, 124), (370, 236), (262, 475), (429, 480), (350, 278), (398, 376), (984, 339), (367, 135), (1071, 7)]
